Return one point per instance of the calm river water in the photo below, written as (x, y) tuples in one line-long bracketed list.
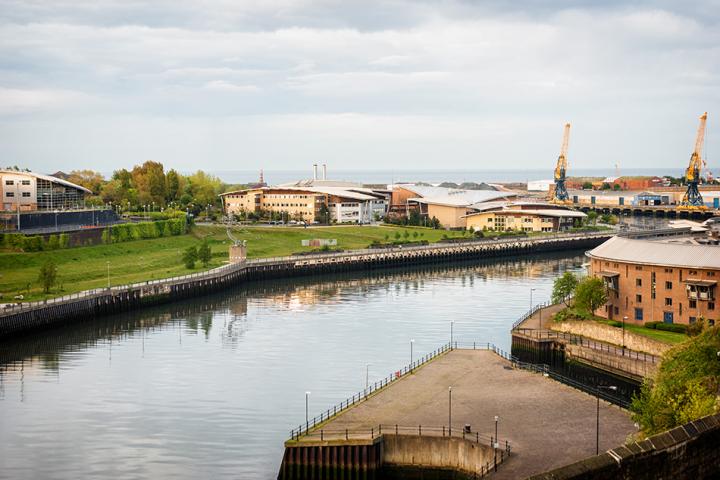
[(210, 388)]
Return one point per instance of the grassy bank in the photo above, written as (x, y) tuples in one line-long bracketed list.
[(85, 268), (659, 335)]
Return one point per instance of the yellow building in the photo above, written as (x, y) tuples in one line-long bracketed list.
[(307, 203), (526, 217)]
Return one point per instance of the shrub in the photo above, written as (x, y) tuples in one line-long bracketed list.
[(696, 328), (205, 254), (190, 257), (32, 244), (53, 243), (672, 327)]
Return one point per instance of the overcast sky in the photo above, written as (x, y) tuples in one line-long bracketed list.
[(280, 84)]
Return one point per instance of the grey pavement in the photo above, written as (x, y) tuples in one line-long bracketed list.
[(548, 424)]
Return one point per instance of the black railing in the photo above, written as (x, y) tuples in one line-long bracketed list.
[(362, 395), (529, 314), (584, 342)]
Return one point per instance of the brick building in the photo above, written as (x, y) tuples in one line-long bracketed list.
[(669, 279)]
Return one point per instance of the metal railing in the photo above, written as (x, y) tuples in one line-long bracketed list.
[(529, 314), (13, 308), (362, 395), (585, 342)]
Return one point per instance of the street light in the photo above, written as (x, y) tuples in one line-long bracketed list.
[(451, 333), (367, 375), (496, 440), (411, 352), (108, 273), (531, 290), (307, 396), (449, 411), (56, 212), (597, 414), (623, 331)]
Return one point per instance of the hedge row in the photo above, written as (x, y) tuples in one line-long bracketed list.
[(668, 327), (125, 232), (34, 243)]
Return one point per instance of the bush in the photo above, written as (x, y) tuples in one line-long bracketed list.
[(190, 257), (684, 387), (52, 243), (695, 329), (672, 327), (205, 254)]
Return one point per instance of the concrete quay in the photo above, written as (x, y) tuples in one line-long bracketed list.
[(546, 423)]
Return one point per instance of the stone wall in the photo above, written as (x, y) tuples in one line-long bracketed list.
[(439, 452), (609, 334), (689, 452)]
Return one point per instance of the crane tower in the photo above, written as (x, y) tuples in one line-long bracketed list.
[(692, 200), (561, 195)]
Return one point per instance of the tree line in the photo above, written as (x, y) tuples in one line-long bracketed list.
[(150, 187)]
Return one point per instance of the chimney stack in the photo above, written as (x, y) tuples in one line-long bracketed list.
[(314, 171), (324, 171)]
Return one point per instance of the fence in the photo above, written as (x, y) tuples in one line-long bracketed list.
[(529, 314), (295, 433), (355, 255), (584, 342)]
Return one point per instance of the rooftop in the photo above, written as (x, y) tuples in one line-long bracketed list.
[(678, 251), (46, 177)]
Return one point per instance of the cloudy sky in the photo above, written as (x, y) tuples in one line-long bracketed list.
[(280, 84)]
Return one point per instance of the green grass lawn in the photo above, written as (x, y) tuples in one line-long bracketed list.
[(659, 335), (85, 268)]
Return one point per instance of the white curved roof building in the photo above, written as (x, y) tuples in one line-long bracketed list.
[(30, 191)]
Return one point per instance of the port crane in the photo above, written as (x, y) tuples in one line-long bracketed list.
[(692, 200), (560, 195)]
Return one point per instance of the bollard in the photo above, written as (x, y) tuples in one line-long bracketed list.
[(346, 434), (322, 437), (396, 429)]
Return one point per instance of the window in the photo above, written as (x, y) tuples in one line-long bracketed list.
[(693, 272), (668, 302), (693, 303), (693, 320), (26, 182), (9, 182), (668, 270), (710, 274), (638, 282), (638, 298), (9, 194), (711, 305), (638, 314), (25, 194), (617, 310), (638, 267), (668, 285)]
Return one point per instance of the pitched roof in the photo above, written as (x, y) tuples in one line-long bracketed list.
[(654, 252)]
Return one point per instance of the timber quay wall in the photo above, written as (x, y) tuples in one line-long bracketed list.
[(25, 317)]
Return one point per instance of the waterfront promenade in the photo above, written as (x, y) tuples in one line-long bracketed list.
[(548, 424)]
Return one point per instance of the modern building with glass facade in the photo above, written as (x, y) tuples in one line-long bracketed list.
[(29, 192)]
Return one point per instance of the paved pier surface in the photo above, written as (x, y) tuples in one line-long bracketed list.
[(548, 424)]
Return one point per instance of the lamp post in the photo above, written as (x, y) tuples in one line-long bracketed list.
[(56, 227), (623, 331), (108, 274), (495, 445), (307, 397), (452, 323), (449, 411), (597, 414), (531, 291), (411, 352), (367, 375)]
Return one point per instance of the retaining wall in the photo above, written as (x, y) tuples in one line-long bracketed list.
[(614, 335), (86, 305), (689, 452)]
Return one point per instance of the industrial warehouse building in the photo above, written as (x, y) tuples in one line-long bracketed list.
[(29, 192), (660, 279)]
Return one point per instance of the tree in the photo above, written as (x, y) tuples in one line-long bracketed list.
[(204, 253), (406, 234), (592, 216), (190, 257), (48, 275), (563, 287), (587, 186), (590, 294), (324, 214), (172, 186), (149, 180), (684, 386), (89, 179)]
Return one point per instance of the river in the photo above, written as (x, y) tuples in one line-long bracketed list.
[(210, 388)]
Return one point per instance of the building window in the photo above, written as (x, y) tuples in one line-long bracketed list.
[(693, 303), (693, 272), (711, 305), (710, 274), (26, 182), (638, 314), (9, 182), (9, 194), (617, 310), (693, 320), (638, 282), (668, 285), (638, 298), (668, 270), (668, 302), (638, 267), (25, 194)]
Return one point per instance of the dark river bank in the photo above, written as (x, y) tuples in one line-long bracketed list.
[(210, 388)]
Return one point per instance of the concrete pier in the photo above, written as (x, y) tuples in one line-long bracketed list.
[(547, 424)]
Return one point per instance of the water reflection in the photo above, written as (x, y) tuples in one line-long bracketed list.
[(210, 387)]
